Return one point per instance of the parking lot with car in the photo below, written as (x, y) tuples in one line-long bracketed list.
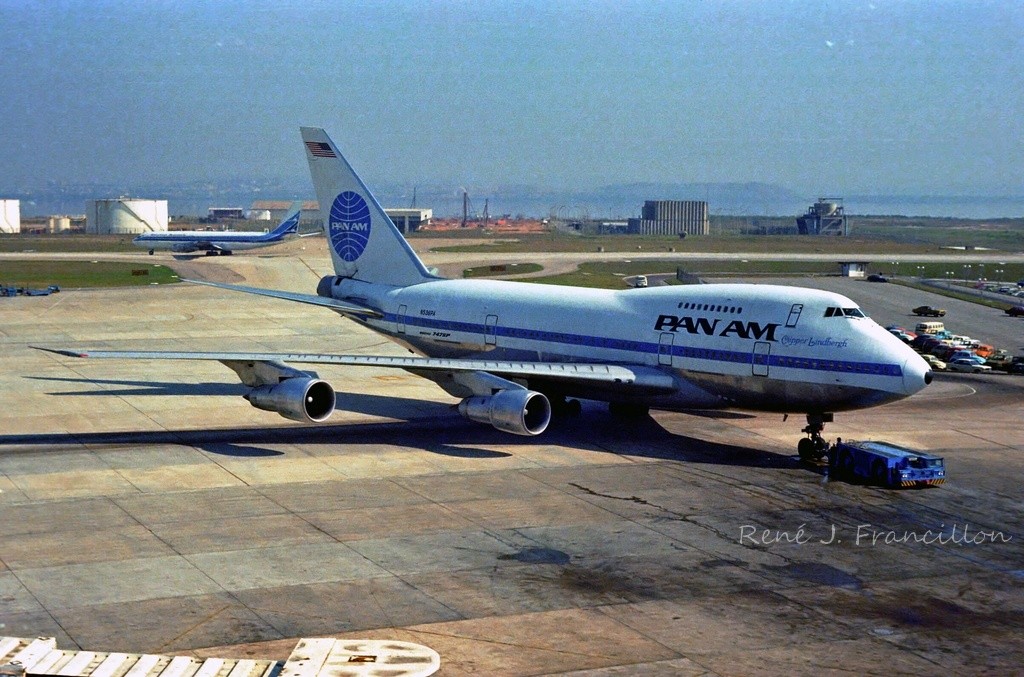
[(997, 335)]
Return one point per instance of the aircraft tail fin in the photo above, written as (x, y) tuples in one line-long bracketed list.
[(364, 243), (290, 223)]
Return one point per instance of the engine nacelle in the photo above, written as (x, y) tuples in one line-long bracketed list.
[(522, 412), (308, 400)]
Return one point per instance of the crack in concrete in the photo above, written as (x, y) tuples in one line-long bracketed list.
[(632, 499)]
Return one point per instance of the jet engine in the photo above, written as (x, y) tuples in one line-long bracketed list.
[(308, 400), (522, 412)]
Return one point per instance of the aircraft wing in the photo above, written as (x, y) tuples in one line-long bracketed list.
[(632, 378), (313, 300)]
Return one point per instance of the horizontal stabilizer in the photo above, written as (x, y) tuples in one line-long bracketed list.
[(334, 304)]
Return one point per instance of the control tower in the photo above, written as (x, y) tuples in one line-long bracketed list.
[(824, 217)]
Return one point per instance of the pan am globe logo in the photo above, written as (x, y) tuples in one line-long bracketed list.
[(349, 225)]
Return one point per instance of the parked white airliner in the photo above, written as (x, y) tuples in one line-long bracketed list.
[(222, 242), (514, 351)]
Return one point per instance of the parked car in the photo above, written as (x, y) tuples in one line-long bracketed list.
[(929, 311), (965, 365), (1015, 311), (902, 335), (934, 362), (967, 355), (943, 352), (1000, 359), (925, 343)]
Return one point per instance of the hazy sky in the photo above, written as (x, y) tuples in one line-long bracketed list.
[(821, 97)]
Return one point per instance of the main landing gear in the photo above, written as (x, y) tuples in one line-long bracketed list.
[(814, 447), (565, 408)]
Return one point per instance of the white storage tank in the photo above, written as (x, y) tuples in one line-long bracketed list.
[(10, 216), (125, 216), (58, 224)]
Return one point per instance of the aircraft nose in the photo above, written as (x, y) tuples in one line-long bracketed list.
[(916, 374)]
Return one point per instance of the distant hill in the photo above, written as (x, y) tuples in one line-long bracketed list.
[(614, 201)]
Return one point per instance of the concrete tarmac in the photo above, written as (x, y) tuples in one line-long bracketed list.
[(146, 506)]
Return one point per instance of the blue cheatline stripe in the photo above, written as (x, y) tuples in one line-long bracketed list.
[(689, 352), (261, 237)]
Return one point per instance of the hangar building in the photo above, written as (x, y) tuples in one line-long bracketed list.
[(671, 217), (407, 220)]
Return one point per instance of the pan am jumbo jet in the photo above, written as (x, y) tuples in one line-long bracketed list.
[(220, 242), (513, 352)]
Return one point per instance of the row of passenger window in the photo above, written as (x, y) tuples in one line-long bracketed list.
[(711, 308), (829, 365)]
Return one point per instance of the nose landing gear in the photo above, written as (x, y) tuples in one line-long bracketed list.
[(814, 447)]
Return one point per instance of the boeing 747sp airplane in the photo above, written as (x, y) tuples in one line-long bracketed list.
[(513, 351), (215, 242)]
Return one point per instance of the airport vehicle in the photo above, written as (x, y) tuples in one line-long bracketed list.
[(513, 352), (884, 463), (23, 291), (932, 328), (934, 362), (967, 366), (929, 311), (52, 289), (223, 243), (1015, 311), (877, 278)]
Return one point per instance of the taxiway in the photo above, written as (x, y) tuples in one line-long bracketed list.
[(148, 507)]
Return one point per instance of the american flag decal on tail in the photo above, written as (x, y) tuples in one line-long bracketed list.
[(319, 149)]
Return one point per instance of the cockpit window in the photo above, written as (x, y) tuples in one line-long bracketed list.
[(844, 312)]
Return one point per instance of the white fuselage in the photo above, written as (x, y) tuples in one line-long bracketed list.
[(756, 347), (184, 241)]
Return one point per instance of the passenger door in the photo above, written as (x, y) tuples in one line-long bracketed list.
[(490, 330), (761, 357), (665, 348)]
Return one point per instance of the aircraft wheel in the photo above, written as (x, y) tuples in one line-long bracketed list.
[(879, 473), (846, 465), (564, 408), (150, 252), (628, 410), (806, 449)]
